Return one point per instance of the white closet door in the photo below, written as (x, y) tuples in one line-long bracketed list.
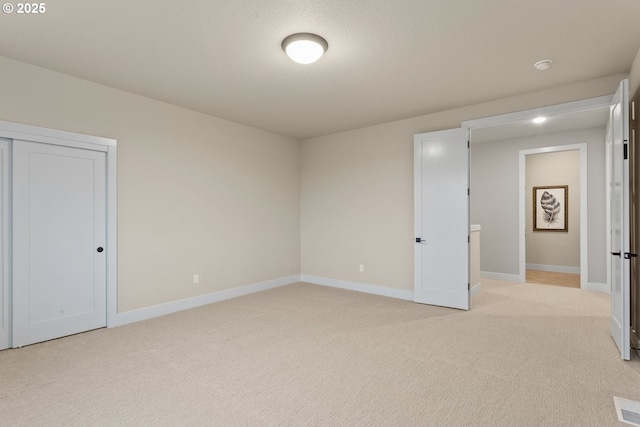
[(59, 277)]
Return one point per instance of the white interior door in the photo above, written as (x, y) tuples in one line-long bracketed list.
[(620, 292), (59, 277), (441, 259)]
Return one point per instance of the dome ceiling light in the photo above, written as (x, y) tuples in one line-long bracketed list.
[(304, 48)]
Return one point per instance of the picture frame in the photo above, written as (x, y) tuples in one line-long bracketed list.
[(551, 208)]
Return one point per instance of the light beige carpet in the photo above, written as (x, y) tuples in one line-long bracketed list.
[(305, 355)]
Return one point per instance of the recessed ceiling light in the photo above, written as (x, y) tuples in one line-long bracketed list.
[(539, 119), (304, 48), (543, 65)]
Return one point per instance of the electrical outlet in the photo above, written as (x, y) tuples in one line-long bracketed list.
[(361, 268), (196, 278)]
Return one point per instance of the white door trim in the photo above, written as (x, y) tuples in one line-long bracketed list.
[(567, 107), (109, 146), (584, 249), (6, 311), (608, 153)]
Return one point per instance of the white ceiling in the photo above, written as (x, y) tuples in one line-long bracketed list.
[(387, 60)]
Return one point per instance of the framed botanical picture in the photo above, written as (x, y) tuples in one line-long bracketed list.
[(550, 208)]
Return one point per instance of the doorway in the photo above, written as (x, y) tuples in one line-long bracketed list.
[(634, 222), (553, 214), (505, 140)]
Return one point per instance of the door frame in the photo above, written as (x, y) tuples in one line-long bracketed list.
[(568, 107), (43, 135)]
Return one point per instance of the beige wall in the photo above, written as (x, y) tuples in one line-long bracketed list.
[(238, 205), (357, 189), (196, 194), (554, 248)]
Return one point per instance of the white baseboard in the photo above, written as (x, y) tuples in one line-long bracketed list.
[(600, 287), (359, 287), (193, 302), (554, 268), (475, 290), (514, 278), (187, 303)]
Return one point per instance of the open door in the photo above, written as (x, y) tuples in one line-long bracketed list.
[(441, 185), (620, 230)]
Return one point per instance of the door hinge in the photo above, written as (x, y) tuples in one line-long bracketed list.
[(468, 239), (468, 286), (468, 192), (626, 151), (468, 143)]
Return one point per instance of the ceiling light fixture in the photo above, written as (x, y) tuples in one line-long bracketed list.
[(543, 65), (539, 119), (304, 48)]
